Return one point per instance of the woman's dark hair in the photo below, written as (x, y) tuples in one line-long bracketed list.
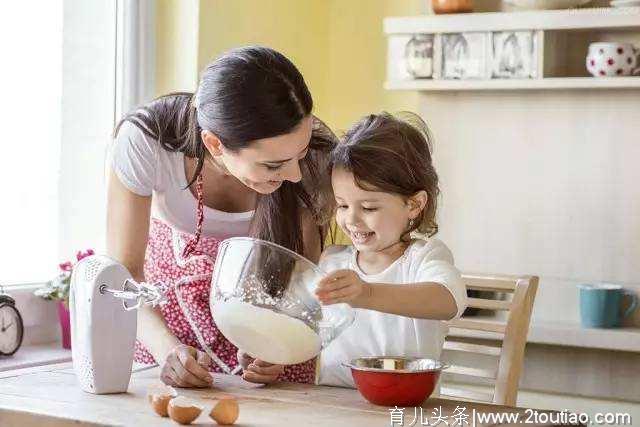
[(248, 94), (392, 154)]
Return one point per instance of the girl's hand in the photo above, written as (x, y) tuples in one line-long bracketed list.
[(342, 286), (257, 371), (186, 366)]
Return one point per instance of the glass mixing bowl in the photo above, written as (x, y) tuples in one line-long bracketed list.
[(263, 300)]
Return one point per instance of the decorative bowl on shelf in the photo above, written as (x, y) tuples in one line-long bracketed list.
[(546, 4), (609, 59), (395, 381)]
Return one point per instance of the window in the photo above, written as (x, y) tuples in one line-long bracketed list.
[(31, 88), (70, 69)]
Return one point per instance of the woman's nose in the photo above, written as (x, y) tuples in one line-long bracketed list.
[(293, 173)]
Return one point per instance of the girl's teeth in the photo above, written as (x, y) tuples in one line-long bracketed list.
[(361, 235)]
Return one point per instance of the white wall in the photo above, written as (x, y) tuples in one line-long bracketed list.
[(543, 183)]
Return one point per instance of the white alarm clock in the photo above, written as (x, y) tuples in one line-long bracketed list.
[(11, 326)]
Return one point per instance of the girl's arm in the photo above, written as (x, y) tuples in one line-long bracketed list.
[(427, 300)]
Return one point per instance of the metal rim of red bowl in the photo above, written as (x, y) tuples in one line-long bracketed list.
[(439, 366)]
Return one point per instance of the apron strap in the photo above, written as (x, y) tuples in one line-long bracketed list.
[(191, 245)]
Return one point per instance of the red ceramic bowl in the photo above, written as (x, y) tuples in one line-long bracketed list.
[(395, 381)]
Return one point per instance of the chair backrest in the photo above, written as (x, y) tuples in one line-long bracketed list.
[(511, 334)]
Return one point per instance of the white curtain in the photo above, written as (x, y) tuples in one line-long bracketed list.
[(113, 44), (135, 56)]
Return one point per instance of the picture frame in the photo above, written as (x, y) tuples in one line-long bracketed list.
[(465, 55), (514, 54)]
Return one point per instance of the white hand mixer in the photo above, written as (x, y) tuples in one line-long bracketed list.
[(102, 300)]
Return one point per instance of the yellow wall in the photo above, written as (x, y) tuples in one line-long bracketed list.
[(357, 58), (177, 45), (296, 28), (338, 45)]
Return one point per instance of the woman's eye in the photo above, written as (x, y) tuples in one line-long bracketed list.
[(369, 209), (342, 206), (272, 168)]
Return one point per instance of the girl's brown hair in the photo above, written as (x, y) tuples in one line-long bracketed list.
[(392, 154)]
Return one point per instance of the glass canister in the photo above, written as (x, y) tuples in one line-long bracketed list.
[(418, 55)]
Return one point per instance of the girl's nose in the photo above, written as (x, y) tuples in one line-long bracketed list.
[(352, 217)]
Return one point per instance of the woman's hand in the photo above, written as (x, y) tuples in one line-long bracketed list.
[(342, 286), (186, 366), (257, 371)]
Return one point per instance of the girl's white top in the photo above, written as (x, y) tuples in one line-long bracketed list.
[(380, 334), (145, 168)]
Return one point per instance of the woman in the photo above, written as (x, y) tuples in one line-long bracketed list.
[(243, 156)]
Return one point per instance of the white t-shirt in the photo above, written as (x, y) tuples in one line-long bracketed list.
[(380, 334), (145, 168)]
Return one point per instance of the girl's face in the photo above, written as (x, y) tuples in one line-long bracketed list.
[(265, 164), (373, 220)]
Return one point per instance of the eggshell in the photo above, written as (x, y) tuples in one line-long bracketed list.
[(183, 410), (159, 397), (225, 411)]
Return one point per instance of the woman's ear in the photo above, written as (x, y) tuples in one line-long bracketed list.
[(212, 143), (417, 203)]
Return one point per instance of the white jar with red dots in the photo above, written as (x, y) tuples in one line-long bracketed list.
[(613, 59)]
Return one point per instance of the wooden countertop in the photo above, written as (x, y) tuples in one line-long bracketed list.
[(50, 397)]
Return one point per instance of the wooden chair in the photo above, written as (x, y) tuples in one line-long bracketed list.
[(511, 336)]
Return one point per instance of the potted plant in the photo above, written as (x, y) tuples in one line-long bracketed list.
[(57, 289)]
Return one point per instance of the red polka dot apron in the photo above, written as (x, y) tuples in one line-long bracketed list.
[(183, 263)]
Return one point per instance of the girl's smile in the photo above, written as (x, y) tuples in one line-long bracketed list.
[(361, 237)]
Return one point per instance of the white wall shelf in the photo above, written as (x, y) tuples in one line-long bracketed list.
[(561, 40), (516, 84), (567, 334), (571, 19)]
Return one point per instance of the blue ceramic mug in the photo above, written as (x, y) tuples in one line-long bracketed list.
[(600, 305)]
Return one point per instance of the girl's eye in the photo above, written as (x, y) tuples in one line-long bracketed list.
[(342, 206), (369, 209), (273, 168)]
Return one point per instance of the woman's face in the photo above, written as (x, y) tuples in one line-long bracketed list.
[(266, 163)]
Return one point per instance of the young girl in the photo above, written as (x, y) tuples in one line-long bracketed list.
[(401, 281)]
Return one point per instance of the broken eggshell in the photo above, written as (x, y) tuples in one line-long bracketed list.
[(225, 411), (183, 410), (159, 397)]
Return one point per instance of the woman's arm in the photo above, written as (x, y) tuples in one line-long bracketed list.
[(426, 300), (127, 234)]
